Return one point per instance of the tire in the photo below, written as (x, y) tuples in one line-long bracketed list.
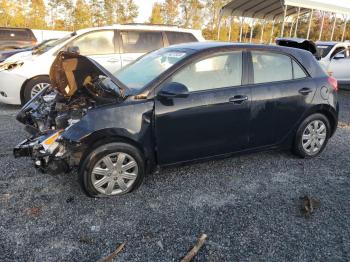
[(38, 83), (94, 170), (306, 137)]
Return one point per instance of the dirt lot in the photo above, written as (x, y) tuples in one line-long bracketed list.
[(248, 207)]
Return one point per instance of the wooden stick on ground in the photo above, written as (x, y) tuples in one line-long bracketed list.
[(193, 252), (110, 257)]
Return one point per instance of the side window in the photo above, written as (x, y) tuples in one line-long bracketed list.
[(219, 71), (141, 41), (338, 50), (95, 43), (271, 67), (298, 71), (178, 38)]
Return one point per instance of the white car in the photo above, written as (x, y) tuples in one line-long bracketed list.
[(113, 47), (335, 58)]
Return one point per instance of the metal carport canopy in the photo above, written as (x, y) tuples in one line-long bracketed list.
[(274, 9)]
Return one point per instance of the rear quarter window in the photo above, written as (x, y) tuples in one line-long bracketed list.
[(178, 38)]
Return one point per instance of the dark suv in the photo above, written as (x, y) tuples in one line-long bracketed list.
[(13, 38), (179, 104)]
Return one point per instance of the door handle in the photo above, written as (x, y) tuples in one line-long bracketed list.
[(239, 99), (305, 91)]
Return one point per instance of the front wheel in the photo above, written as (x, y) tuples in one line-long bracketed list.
[(34, 86), (312, 136), (112, 169)]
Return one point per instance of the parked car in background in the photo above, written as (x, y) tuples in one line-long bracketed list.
[(23, 52), (178, 104), (334, 57), (14, 38), (336, 60), (113, 47)]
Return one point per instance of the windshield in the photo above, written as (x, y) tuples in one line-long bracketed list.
[(148, 67), (323, 50), (47, 45)]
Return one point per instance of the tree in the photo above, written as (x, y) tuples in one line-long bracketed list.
[(156, 16), (171, 11), (37, 13), (127, 11), (81, 15), (192, 13)]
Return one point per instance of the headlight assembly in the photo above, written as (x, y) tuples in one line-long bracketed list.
[(10, 65)]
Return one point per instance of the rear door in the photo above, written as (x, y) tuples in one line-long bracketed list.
[(282, 91), (102, 46), (213, 119), (135, 43)]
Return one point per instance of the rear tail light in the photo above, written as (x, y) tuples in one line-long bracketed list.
[(333, 82)]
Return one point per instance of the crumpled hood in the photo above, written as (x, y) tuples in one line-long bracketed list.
[(69, 71)]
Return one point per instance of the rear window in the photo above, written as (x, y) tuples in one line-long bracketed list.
[(141, 41), (323, 50), (16, 34), (178, 38)]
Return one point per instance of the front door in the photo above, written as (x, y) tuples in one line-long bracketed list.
[(213, 119)]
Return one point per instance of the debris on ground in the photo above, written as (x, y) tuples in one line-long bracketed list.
[(86, 240), (343, 125), (70, 199), (4, 198), (110, 257), (308, 205), (33, 211), (193, 252)]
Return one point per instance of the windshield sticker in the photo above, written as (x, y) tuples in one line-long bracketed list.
[(175, 54)]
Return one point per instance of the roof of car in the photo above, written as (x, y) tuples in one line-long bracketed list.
[(138, 27), (331, 43), (303, 56), (198, 46)]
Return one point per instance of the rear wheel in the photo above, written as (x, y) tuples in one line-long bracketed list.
[(112, 169), (312, 136), (34, 86)]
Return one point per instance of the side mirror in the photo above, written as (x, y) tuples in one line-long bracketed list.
[(173, 89), (73, 50)]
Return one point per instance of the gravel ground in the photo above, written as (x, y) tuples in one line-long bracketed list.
[(248, 206)]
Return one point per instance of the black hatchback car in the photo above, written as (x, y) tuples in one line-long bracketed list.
[(179, 104)]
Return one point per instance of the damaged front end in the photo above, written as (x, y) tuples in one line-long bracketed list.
[(79, 85)]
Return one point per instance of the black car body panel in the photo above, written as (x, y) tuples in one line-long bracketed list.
[(197, 125)]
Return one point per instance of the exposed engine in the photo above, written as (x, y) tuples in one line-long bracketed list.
[(78, 85)]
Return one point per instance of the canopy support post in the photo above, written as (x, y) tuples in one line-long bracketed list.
[(344, 29), (241, 30), (291, 28), (310, 22), (320, 36), (219, 26), (333, 27), (262, 32), (296, 23), (230, 32), (272, 30), (251, 31), (284, 19)]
